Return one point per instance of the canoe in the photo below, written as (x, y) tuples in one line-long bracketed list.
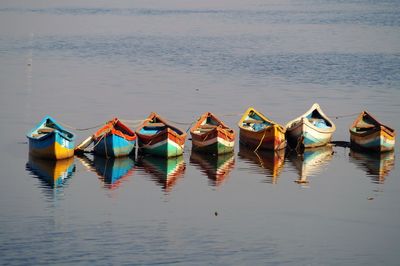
[(310, 130), (259, 132), (164, 171), (50, 140), (114, 139), (217, 168), (52, 172), (211, 135), (160, 138), (369, 134)]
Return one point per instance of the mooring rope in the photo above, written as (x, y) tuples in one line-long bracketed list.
[(347, 115), (80, 129), (265, 131)]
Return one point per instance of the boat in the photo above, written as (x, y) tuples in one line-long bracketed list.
[(376, 165), (165, 171), (310, 130), (160, 138), (266, 162), (311, 162), (114, 139), (216, 167), (53, 173), (367, 133), (50, 140), (211, 135), (259, 132)]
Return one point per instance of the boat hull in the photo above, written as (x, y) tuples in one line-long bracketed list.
[(164, 144), (377, 140), (114, 146), (216, 142), (308, 135), (51, 146), (271, 138)]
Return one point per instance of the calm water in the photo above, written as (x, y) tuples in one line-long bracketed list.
[(84, 63)]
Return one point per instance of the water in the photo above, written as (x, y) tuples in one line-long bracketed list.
[(84, 63)]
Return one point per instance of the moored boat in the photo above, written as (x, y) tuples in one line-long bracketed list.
[(369, 134), (50, 140), (114, 139), (158, 137), (211, 135), (259, 132), (310, 130)]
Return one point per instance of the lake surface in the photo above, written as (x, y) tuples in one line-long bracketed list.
[(86, 62)]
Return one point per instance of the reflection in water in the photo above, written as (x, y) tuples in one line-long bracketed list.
[(164, 171), (215, 167), (110, 170), (271, 161), (53, 173), (376, 165), (311, 162)]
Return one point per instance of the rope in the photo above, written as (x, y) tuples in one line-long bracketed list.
[(79, 129), (180, 123), (259, 144), (348, 115)]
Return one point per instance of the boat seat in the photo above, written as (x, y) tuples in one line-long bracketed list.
[(250, 121), (45, 130), (207, 126), (202, 130), (361, 125), (155, 125)]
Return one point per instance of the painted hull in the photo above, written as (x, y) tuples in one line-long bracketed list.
[(271, 138), (51, 146), (310, 130), (160, 138), (210, 135), (367, 133), (308, 135), (114, 146), (216, 142)]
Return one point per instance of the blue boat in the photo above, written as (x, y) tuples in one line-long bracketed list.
[(113, 170), (50, 140), (114, 139)]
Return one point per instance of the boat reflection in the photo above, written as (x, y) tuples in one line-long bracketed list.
[(53, 173), (112, 171), (376, 165), (271, 162), (311, 162), (216, 167), (164, 171)]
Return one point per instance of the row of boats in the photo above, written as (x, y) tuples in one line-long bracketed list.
[(166, 172), (157, 136)]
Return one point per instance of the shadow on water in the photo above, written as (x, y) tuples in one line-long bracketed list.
[(165, 172), (376, 165), (216, 167), (52, 173), (311, 162), (112, 171), (267, 162)]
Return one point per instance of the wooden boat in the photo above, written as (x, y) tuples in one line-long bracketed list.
[(216, 167), (165, 171), (311, 162), (369, 134), (259, 132), (52, 172), (114, 139), (211, 135), (376, 165), (310, 130), (50, 140), (266, 162), (158, 137)]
